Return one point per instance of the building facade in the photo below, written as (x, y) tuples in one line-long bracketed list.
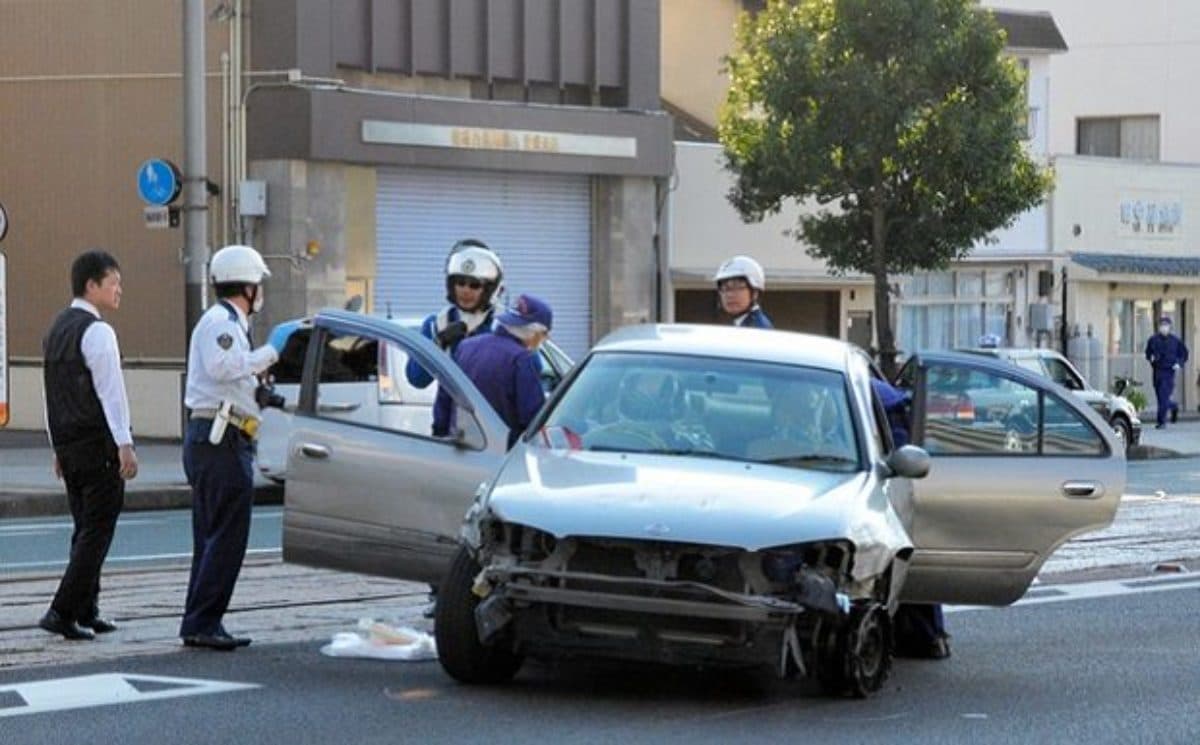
[(377, 132)]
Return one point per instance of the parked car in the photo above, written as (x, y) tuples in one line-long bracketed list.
[(693, 495), (364, 382), (1121, 415)]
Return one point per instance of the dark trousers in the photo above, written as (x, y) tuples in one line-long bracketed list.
[(222, 480), (1164, 388), (918, 624), (95, 494)]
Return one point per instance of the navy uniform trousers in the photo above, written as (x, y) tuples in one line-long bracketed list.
[(222, 481)]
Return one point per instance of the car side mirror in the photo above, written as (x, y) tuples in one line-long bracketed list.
[(909, 461)]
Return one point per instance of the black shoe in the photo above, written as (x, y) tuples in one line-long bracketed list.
[(1160, 426), (240, 641), (211, 641), (1175, 415), (56, 624), (99, 625), (937, 648)]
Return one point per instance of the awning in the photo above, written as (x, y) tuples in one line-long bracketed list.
[(1159, 266)]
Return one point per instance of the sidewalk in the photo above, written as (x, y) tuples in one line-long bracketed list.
[(28, 487)]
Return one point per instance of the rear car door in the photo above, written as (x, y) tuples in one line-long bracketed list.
[(376, 494), (1018, 466)]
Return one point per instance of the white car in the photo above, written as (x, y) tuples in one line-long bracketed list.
[(697, 495)]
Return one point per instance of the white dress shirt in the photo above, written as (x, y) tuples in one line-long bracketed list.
[(221, 364), (102, 356)]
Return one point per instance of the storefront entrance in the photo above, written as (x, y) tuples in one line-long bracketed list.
[(1131, 324)]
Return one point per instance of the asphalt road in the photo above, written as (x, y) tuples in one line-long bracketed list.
[(1104, 670), (141, 539)]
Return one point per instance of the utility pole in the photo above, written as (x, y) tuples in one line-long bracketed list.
[(195, 163)]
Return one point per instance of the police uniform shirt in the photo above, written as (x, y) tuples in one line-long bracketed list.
[(102, 355), (221, 364)]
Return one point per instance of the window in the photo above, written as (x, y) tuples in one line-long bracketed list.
[(1061, 374), (1133, 137), (942, 310), (975, 412)]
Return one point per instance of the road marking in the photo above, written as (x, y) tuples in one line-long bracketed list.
[(105, 689), (1042, 594)]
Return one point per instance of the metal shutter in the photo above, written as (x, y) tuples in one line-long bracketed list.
[(539, 224)]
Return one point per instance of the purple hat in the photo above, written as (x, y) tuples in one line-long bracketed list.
[(526, 310), (1165, 319)]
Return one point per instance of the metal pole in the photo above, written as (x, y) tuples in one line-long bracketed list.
[(195, 165)]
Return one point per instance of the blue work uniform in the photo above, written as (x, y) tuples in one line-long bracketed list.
[(1164, 352), (505, 372), (431, 327), (221, 367), (754, 318)]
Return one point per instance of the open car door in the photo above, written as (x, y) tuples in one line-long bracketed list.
[(378, 494), (1018, 466)]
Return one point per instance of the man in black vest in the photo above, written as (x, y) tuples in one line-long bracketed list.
[(87, 417)]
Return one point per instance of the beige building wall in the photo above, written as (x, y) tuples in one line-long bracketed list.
[(696, 34), (1125, 59), (88, 90)]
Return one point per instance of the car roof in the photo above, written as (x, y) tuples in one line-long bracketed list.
[(731, 342), (982, 361), (1012, 351)]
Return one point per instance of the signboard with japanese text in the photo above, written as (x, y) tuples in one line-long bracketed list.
[(1150, 216)]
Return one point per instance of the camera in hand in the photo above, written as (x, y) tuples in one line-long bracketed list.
[(452, 334), (265, 396)]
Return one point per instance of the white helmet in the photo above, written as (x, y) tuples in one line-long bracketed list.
[(472, 258), (742, 266), (238, 264)]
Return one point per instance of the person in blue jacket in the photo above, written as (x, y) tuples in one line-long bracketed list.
[(1166, 354), (740, 286), (920, 628), (503, 365), (474, 284)]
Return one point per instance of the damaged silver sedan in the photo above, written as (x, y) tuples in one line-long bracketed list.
[(708, 496)]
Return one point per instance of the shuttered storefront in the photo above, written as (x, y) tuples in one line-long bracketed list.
[(539, 224)]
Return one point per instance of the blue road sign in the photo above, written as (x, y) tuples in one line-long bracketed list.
[(159, 181)]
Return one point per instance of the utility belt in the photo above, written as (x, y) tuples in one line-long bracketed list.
[(225, 416)]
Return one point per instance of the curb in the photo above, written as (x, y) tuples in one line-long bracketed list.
[(46, 503)]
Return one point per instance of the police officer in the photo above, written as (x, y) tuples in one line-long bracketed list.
[(222, 396), (87, 417), (740, 285), (474, 282), (1166, 354), (504, 367)]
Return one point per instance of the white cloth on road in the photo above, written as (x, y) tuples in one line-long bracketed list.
[(382, 642)]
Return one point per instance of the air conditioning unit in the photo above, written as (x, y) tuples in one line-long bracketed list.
[(1041, 316)]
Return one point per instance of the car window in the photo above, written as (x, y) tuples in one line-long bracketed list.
[(1066, 432), (363, 382), (1060, 373), (1032, 364), (730, 409), (969, 411), (289, 368)]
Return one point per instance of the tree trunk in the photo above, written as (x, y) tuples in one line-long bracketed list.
[(883, 316)]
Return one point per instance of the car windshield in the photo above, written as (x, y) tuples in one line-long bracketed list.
[(704, 407)]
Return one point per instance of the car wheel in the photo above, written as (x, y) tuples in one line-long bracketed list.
[(462, 655), (1123, 430), (857, 658)]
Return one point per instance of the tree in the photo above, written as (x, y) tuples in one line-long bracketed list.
[(900, 118)]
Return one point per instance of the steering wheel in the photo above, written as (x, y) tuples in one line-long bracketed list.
[(625, 434)]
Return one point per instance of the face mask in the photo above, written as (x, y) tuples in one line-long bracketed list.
[(1164, 329), (257, 304)]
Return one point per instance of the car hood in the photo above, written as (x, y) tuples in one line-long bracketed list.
[(686, 499)]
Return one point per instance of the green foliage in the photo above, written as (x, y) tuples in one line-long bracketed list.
[(900, 118), (1137, 399)]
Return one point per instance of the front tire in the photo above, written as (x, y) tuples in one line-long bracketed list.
[(1124, 431), (462, 655), (856, 658)]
